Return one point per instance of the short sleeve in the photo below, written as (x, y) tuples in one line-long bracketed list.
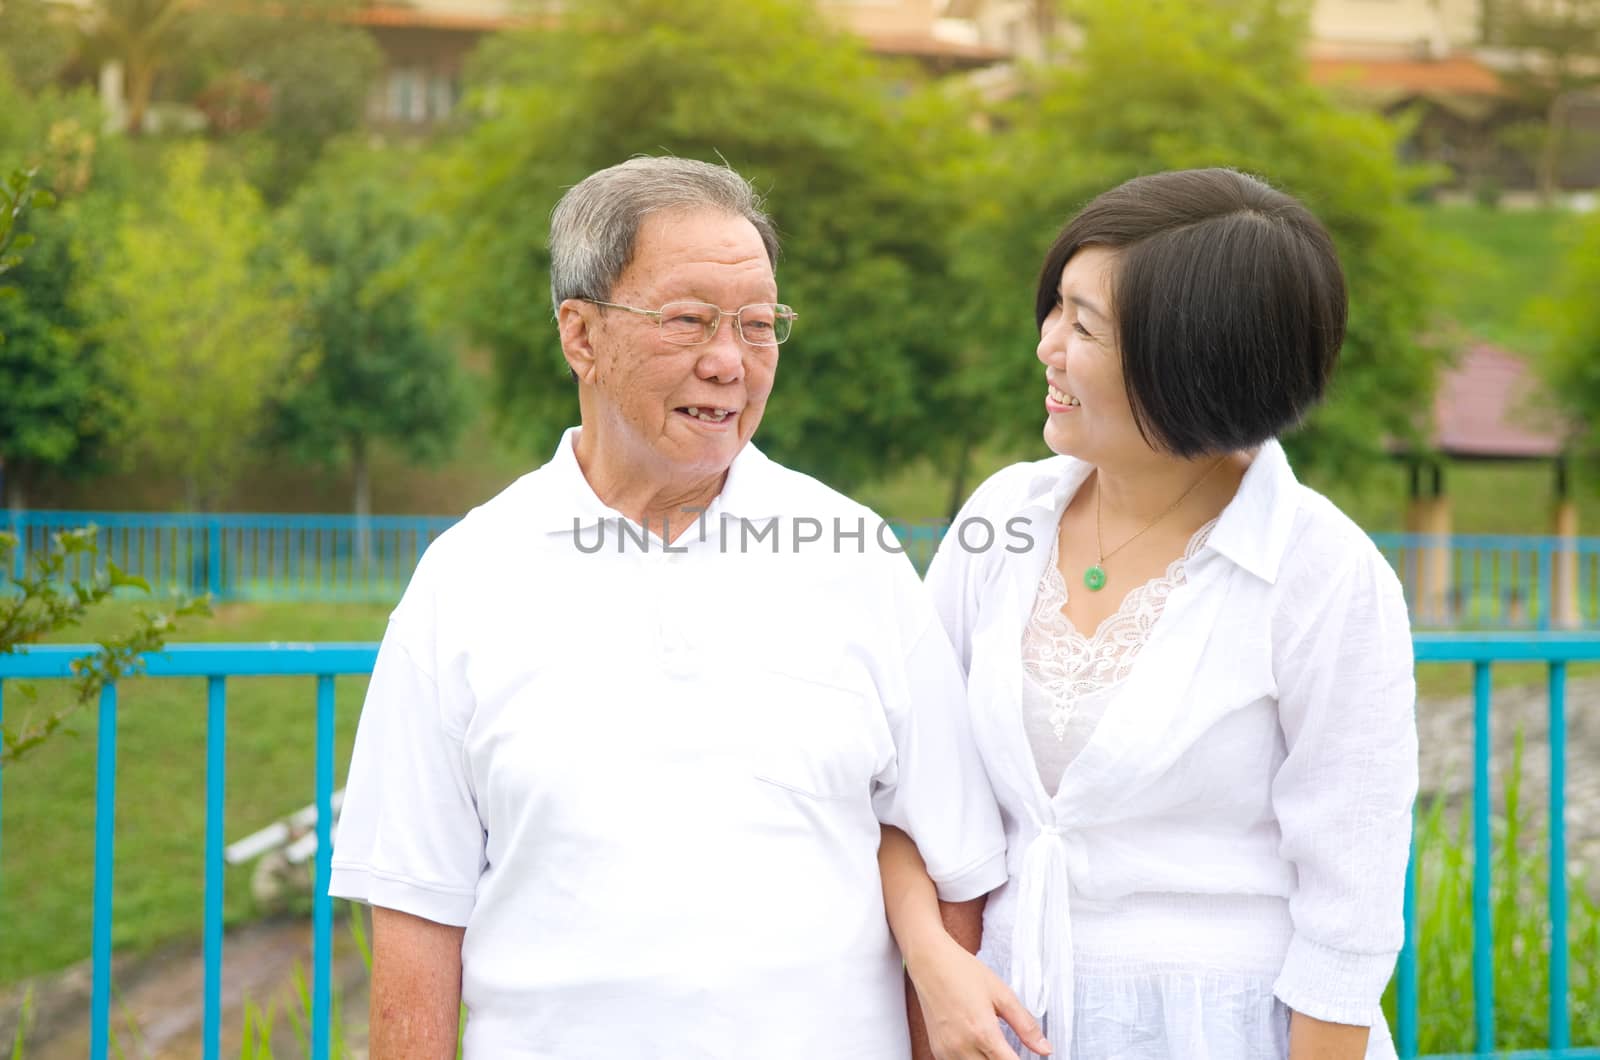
[(940, 794), (409, 835), (1344, 793)]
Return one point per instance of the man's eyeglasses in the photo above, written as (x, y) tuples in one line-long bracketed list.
[(691, 323)]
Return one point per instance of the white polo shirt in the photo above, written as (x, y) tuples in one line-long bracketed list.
[(649, 783)]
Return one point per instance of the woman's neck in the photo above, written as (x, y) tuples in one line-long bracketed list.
[(1145, 490)]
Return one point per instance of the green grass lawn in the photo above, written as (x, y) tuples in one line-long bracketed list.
[(1499, 263), (47, 814)]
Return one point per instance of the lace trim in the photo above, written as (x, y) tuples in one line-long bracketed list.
[(1069, 665)]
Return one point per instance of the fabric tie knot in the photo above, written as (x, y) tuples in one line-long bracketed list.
[(1041, 938)]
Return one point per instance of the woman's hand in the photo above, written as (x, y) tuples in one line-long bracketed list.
[(960, 1000)]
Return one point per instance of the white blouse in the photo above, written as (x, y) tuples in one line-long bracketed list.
[(1230, 843)]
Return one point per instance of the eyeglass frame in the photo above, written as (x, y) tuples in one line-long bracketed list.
[(716, 325)]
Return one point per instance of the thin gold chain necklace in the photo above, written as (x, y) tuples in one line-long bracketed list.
[(1095, 577)]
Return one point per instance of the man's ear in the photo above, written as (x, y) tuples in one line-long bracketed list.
[(575, 320)]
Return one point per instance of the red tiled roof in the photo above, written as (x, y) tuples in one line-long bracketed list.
[(1484, 409), (382, 15), (1456, 74)]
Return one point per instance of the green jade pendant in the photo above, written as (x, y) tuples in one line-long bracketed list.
[(1095, 578)]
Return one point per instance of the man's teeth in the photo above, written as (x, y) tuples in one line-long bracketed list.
[(709, 415), (1062, 399)]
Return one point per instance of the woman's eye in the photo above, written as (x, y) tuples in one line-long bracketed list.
[(1080, 329)]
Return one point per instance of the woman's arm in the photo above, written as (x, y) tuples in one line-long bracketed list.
[(1343, 795), (952, 999), (1314, 1039)]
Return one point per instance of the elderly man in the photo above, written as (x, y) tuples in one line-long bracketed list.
[(635, 726)]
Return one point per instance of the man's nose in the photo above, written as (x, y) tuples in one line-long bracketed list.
[(722, 355)]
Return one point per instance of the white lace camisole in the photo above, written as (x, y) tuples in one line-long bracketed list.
[(1068, 678)]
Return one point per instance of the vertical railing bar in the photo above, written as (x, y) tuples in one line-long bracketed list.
[(1406, 1000), (1546, 582), (105, 809), (2, 773), (1477, 584), (322, 904), (1560, 1029), (1482, 927), (1516, 581), (216, 786)]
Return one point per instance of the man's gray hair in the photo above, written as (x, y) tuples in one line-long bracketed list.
[(596, 223)]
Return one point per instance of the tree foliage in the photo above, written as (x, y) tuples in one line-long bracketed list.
[(35, 43), (144, 38), (47, 600), (54, 408), (792, 105), (1173, 85), (286, 79), (198, 310), (381, 375), (1571, 365)]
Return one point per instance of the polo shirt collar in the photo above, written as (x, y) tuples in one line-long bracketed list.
[(562, 499)]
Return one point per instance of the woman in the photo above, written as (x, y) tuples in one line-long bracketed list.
[(1193, 692)]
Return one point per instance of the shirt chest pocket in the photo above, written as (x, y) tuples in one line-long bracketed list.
[(810, 737)]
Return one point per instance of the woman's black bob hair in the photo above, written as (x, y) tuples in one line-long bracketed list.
[(1228, 299)]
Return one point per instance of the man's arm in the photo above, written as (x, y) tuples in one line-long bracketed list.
[(937, 940), (962, 921), (416, 987)]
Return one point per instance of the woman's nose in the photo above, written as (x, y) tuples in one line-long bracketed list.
[(1052, 345)]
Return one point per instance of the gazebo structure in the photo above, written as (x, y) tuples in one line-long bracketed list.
[(1487, 408)]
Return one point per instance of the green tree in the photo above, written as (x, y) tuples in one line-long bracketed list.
[(43, 601), (789, 103), (381, 375), (1556, 44), (1171, 84), (287, 78), (144, 38), (1571, 365), (35, 42), (195, 307), (54, 408)]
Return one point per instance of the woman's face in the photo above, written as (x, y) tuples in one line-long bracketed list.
[(1088, 415)]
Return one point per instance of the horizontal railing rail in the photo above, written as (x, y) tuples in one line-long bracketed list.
[(219, 663), (1460, 581)]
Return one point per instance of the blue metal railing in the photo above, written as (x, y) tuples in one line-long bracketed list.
[(218, 663), (1498, 580), (1556, 651), (1463, 581), (244, 557)]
